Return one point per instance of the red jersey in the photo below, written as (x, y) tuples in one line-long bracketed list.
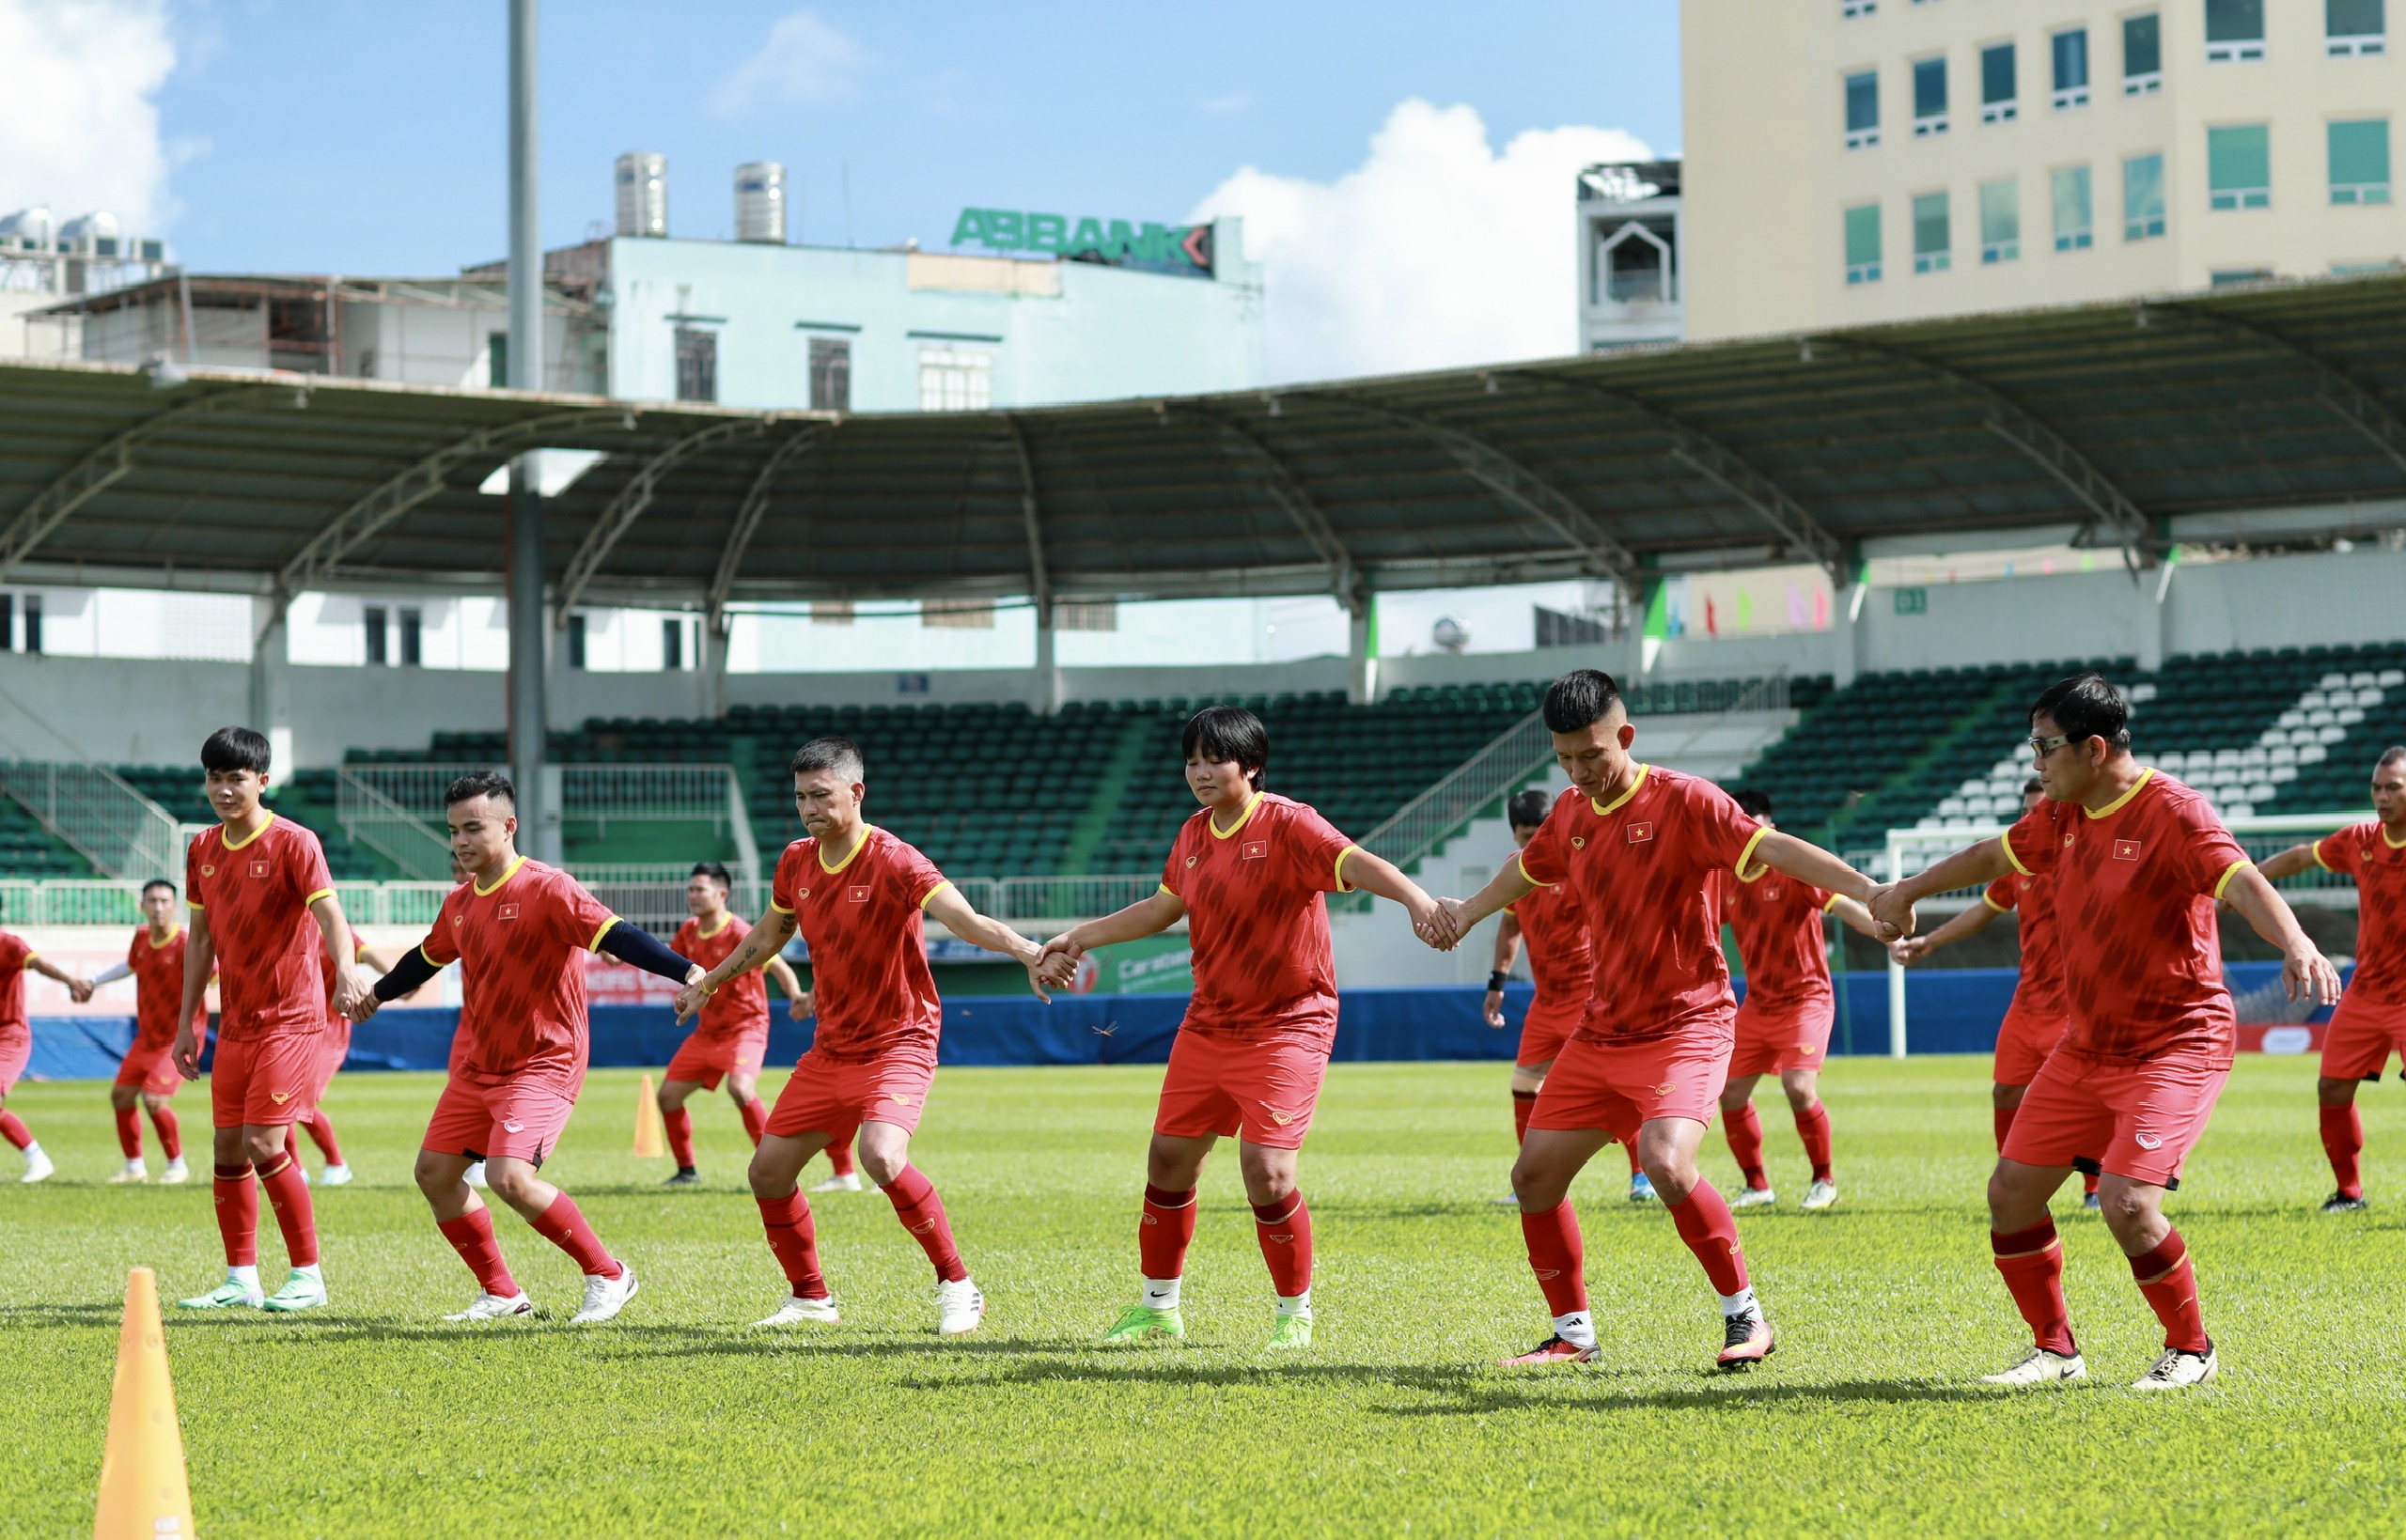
[(15, 954), (257, 894), (742, 1004), (1256, 924), (863, 920), (2135, 885), (326, 971), (2365, 853), (2041, 989), (1644, 867), (520, 944), (158, 972), (1561, 959), (1780, 937)]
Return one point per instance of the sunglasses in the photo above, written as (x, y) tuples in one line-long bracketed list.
[(2045, 746)]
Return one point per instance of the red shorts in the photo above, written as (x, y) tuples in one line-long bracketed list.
[(1263, 1091), (151, 1068), (2361, 1037), (2146, 1117), (1620, 1086), (1548, 1026), (265, 1082), (16, 1049), (2024, 1039), (834, 1097), (333, 1048), (1782, 1034), (706, 1061), (498, 1122)]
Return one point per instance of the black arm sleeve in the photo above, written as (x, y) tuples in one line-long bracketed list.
[(407, 975), (632, 943)]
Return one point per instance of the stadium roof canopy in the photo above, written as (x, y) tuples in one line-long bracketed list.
[(2113, 417)]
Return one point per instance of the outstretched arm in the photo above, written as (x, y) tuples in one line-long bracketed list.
[(1148, 916), (1973, 866), (1857, 918), (335, 930), (1913, 949), (78, 989), (1508, 886), (2296, 859), (1431, 921), (946, 906), (2305, 972), (761, 943)]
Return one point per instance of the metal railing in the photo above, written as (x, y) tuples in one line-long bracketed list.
[(391, 828), (1682, 697), (388, 806), (1521, 751), (1064, 898), (116, 828)]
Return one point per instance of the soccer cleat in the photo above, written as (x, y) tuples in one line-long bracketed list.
[(302, 1291), (2339, 1203), (135, 1171), (1754, 1197), (37, 1166), (2179, 1369), (1746, 1341), (606, 1296), (1820, 1194), (2041, 1367), (959, 1308), (176, 1174), (1141, 1323), (1291, 1331), (1641, 1187), (848, 1182), (1510, 1200), (302, 1170), (797, 1310), (336, 1176), (684, 1178), (1555, 1349), (475, 1176), (225, 1296), (2090, 1201), (492, 1307)]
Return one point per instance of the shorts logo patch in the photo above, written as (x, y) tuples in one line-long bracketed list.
[(1667, 1088), (258, 868), (898, 1099), (280, 1098), (858, 894), (2148, 1142), (1805, 1048), (1282, 1119), (1640, 833), (1578, 841), (1254, 849), (509, 911), (2127, 849), (509, 1124)]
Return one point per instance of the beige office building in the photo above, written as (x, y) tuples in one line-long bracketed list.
[(1859, 161)]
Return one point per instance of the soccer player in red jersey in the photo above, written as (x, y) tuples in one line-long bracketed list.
[(17, 1041), (732, 1037), (263, 908), (1563, 965), (1247, 873), (861, 899), (2137, 862), (155, 961), (520, 931), (1642, 849), (1783, 1026), (2370, 1021)]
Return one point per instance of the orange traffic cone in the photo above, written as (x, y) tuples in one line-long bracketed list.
[(651, 1140), (143, 1492)]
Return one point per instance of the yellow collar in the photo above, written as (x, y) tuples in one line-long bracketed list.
[(858, 846), (1606, 810), (482, 890), (2116, 806), (173, 931), (2393, 844), (705, 935), (1218, 833), (237, 843)]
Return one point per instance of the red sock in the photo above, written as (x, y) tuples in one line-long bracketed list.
[(794, 1239), (1523, 1103), (13, 1129), (1164, 1231), (2003, 1116), (322, 1134), (921, 1211), (1285, 1230), (1813, 1127), (840, 1156), (1557, 1258), (171, 1139), (2032, 1264), (756, 1119), (471, 1235), (563, 1225), (1706, 1225), (129, 1132), (2173, 1294), (238, 1215), (2088, 1184), (288, 1194), (679, 1124), (1745, 1132), (1629, 1147), (2343, 1139)]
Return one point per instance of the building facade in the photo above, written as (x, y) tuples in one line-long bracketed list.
[(1861, 161), (1629, 255)]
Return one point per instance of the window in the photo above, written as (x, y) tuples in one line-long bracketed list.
[(2227, 278), (2354, 29), (575, 639), (1849, 9), (1086, 615), (955, 380), (2074, 220), (958, 614), (1929, 97), (2234, 31), (2360, 161), (672, 645), (1634, 264), (33, 622), (2142, 197), (1997, 104), (1863, 244), (2070, 50), (2238, 166), (372, 618), (2142, 55), (831, 374), (413, 638), (696, 364), (2001, 221), (1932, 239), (1862, 110), (497, 360)]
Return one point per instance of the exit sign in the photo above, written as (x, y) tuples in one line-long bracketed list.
[(1912, 601)]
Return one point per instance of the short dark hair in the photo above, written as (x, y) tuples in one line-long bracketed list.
[(840, 755), (158, 882), (1753, 803), (231, 749), (2390, 755), (2086, 706), (2033, 784), (1217, 734), (716, 871), (1579, 699), (481, 783), (1527, 809)]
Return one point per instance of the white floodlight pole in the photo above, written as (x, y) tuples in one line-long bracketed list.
[(538, 825)]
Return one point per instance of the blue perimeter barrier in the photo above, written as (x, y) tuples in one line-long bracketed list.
[(1948, 1011)]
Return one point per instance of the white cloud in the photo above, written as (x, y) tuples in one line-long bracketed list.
[(1435, 252), (803, 60), (80, 130)]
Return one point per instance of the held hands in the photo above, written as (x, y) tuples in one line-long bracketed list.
[(1440, 924), (1493, 1009), (354, 997), (1056, 965), (1910, 951), (1037, 960), (80, 989), (2306, 974), (1891, 911), (694, 995)]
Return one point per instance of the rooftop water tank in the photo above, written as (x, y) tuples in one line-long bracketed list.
[(761, 202), (643, 195), (90, 235), (27, 229)]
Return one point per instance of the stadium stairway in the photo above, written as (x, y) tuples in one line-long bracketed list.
[(31, 852)]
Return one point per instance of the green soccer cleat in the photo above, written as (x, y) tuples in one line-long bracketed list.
[(229, 1294), (1142, 1323), (302, 1291), (1291, 1331)]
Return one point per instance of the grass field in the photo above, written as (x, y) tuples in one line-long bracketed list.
[(373, 1418)]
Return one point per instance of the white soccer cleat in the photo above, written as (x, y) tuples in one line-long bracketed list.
[(476, 1175), (232, 1294), (1820, 1194), (135, 1171), (1506, 1200), (606, 1296), (336, 1176), (1754, 1197), (303, 1290), (2179, 1369), (2042, 1368), (848, 1182), (37, 1166), (797, 1310), (492, 1307), (177, 1173), (959, 1308)]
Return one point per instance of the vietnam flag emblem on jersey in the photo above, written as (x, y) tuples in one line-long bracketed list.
[(858, 894), (2126, 850), (1254, 849), (509, 911), (1640, 833), (258, 868)]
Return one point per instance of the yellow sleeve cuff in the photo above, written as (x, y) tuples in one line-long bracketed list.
[(1525, 874), (1341, 885), (595, 944), (1992, 903), (429, 956), (2317, 849), (2005, 843), (1748, 853), (321, 893), (2230, 872), (1167, 888), (1832, 902), (932, 892), (779, 908), (192, 903)]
